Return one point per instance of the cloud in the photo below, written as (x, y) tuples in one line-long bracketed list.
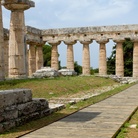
[(93, 10)]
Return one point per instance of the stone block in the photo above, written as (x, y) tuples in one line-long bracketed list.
[(67, 72), (1, 112), (28, 108), (1, 100), (27, 95), (45, 112), (15, 96), (1, 128), (43, 102), (45, 72), (10, 113), (8, 125), (9, 98)]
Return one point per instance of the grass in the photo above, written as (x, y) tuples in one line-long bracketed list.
[(63, 86), (127, 132), (59, 87)]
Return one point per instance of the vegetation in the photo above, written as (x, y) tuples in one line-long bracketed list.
[(66, 87), (63, 86), (127, 132), (47, 55), (128, 59)]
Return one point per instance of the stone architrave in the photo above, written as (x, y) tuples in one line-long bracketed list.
[(54, 55), (2, 73), (39, 57), (70, 54), (119, 59), (32, 59), (86, 57), (102, 58), (17, 40), (135, 59)]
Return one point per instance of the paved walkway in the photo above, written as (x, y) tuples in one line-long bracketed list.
[(101, 120)]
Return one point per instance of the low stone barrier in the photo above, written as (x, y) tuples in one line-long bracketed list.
[(17, 107)]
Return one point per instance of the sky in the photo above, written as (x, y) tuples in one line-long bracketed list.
[(48, 14)]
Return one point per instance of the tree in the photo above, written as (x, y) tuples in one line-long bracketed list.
[(47, 55), (128, 59), (111, 62), (77, 68)]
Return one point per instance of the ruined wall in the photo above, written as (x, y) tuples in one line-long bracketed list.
[(17, 107)]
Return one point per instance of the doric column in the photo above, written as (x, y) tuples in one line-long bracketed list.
[(135, 59), (54, 55), (102, 58), (32, 59), (6, 56), (119, 59), (2, 74), (86, 58), (70, 54), (17, 44), (39, 57)]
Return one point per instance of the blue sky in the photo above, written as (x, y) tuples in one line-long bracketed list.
[(49, 14)]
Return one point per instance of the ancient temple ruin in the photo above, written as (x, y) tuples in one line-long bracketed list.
[(21, 63)]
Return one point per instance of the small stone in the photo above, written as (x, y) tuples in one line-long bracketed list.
[(73, 107), (51, 93), (133, 126)]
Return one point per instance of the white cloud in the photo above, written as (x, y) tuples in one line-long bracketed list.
[(94, 10)]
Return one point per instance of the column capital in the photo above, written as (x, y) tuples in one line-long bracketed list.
[(69, 42), (134, 40), (86, 42), (102, 41), (54, 42), (119, 40), (15, 5)]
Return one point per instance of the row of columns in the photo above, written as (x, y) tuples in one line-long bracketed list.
[(102, 57), (35, 58)]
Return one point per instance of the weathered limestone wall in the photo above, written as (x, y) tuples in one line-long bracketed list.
[(17, 107)]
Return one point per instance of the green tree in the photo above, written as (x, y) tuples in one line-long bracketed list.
[(111, 62), (128, 59), (77, 68), (47, 55)]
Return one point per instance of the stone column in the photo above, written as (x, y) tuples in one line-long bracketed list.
[(2, 74), (6, 56), (102, 59), (70, 54), (54, 55), (119, 59), (17, 42), (86, 58), (39, 57), (135, 59), (32, 59)]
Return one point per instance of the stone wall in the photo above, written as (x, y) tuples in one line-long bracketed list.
[(17, 107)]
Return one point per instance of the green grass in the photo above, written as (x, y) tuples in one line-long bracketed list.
[(127, 132), (42, 87), (63, 86)]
